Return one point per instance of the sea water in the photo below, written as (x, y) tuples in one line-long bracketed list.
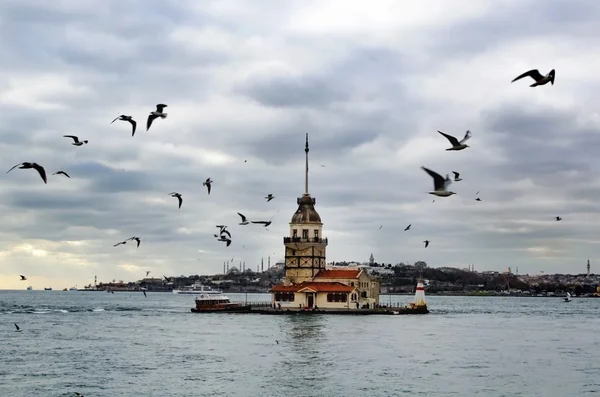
[(125, 344)]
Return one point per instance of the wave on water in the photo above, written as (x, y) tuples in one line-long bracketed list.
[(48, 310)]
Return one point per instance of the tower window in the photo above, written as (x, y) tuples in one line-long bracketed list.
[(305, 234), (295, 233), (316, 233)]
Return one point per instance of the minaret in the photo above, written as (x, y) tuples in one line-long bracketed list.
[(223, 267), (305, 246), (227, 267), (269, 262), (588, 268), (262, 265)]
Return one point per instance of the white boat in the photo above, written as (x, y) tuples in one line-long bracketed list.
[(73, 289), (568, 298), (196, 289)]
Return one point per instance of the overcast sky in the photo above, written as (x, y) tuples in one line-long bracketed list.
[(370, 81)]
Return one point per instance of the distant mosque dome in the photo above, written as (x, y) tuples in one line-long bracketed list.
[(306, 212)]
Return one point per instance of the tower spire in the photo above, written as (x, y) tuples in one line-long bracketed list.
[(306, 168)]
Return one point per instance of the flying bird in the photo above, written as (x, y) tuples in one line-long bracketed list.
[(225, 232), (147, 273), (244, 220), (145, 293), (156, 114), (380, 227), (426, 243), (166, 278), (129, 119), (23, 278), (537, 76), (17, 328), (75, 139), (207, 183), (407, 227), (35, 166), (269, 197), (138, 239), (265, 223), (558, 218), (477, 199), (175, 194), (457, 177), (61, 173), (439, 184), (225, 239), (456, 145), (122, 242), (222, 227)]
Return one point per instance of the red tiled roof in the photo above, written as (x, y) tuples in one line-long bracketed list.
[(314, 286), (284, 288), (338, 273)]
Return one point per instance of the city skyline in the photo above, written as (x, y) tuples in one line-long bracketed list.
[(370, 82)]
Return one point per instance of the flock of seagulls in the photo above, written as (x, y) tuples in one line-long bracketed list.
[(441, 184)]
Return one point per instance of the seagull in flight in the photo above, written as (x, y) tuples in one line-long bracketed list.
[(456, 145), (175, 194), (244, 220), (407, 227), (76, 140), (207, 183), (17, 328), (225, 239), (457, 177), (147, 273), (558, 218), (130, 120), (156, 114), (35, 166), (225, 232), (23, 278), (122, 242), (477, 199), (537, 76), (138, 239), (269, 197), (426, 243), (265, 223), (440, 184), (61, 173)]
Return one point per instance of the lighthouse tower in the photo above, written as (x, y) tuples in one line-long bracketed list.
[(419, 295), (305, 247)]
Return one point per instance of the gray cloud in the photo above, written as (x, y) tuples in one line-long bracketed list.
[(371, 95)]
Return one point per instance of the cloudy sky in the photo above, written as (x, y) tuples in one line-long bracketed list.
[(371, 82)]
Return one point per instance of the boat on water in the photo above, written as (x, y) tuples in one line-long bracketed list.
[(73, 289), (30, 288), (198, 289), (47, 288), (568, 298), (218, 303)]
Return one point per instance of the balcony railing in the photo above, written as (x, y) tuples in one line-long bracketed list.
[(299, 240)]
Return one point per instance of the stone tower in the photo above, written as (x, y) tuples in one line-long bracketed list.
[(305, 246)]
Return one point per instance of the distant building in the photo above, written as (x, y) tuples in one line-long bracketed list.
[(371, 259), (308, 283), (588, 267)]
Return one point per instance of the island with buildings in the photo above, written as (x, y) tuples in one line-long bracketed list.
[(304, 279)]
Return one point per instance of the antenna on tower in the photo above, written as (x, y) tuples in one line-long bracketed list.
[(306, 168)]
